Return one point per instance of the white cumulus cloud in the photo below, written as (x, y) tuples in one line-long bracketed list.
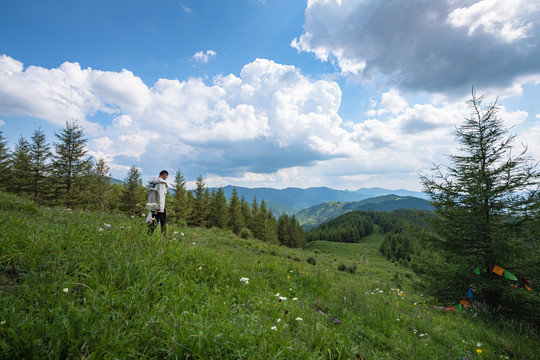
[(204, 57), (435, 46)]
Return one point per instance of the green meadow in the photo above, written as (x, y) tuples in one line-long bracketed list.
[(90, 285)]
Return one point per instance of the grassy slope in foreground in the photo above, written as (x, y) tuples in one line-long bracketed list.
[(71, 286)]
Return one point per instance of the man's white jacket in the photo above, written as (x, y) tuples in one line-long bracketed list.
[(157, 189)]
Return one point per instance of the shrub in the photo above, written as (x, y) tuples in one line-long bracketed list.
[(245, 233), (311, 260)]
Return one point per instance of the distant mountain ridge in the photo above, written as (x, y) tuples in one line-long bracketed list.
[(321, 213), (292, 200)]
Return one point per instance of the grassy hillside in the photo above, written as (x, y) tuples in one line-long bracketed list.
[(88, 285), (321, 213)]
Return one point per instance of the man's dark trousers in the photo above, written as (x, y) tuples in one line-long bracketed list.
[(159, 218)]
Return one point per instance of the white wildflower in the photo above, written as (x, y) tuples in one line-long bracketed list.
[(107, 225), (397, 319), (278, 320), (244, 280), (200, 268), (479, 344), (294, 299), (282, 298), (277, 295), (299, 319), (66, 290), (273, 328)]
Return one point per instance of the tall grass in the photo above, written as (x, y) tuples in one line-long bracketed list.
[(89, 285)]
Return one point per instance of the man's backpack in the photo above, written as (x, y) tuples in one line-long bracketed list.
[(152, 203)]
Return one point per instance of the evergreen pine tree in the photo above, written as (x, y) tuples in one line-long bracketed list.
[(179, 204), (246, 211), (69, 163), (21, 168), (190, 206), (283, 230), (236, 219), (481, 201), (5, 171), (40, 154), (266, 224), (297, 234), (253, 224), (133, 192), (218, 216), (200, 203), (100, 184)]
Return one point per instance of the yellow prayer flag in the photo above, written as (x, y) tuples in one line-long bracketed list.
[(498, 270)]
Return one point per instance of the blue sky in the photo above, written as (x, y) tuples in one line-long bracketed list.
[(338, 93)]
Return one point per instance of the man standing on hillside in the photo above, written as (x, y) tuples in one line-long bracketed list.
[(157, 191)]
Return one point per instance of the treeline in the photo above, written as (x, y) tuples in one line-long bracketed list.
[(62, 173), (204, 208), (350, 228), (401, 230), (398, 225)]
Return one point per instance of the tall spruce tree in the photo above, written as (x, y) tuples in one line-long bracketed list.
[(21, 168), (40, 154), (133, 192), (69, 163), (4, 164), (481, 201)]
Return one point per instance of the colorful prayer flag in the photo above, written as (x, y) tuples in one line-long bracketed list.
[(465, 303), (459, 308), (498, 270), (477, 270), (470, 293), (508, 275), (526, 283)]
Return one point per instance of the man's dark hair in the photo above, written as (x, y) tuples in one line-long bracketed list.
[(164, 172)]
